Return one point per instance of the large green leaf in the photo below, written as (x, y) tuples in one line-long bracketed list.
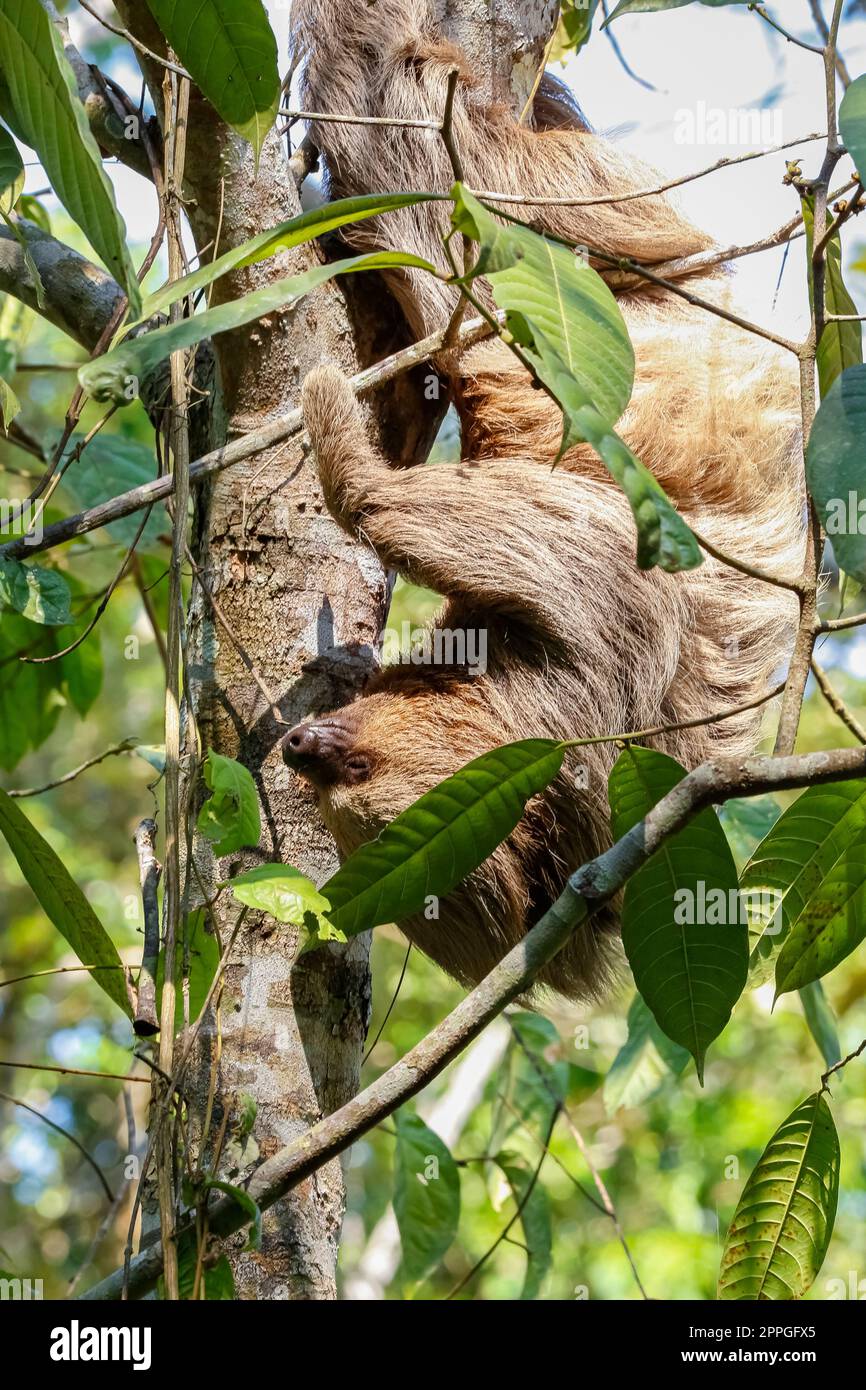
[(784, 1220), (230, 817), (577, 17), (38, 594), (852, 121), (570, 329), (306, 227), (62, 900), (45, 111), (426, 1195), (229, 49), (429, 848), (544, 287), (116, 375), (531, 1197), (792, 862), (646, 1060), (688, 957), (112, 464), (841, 344), (834, 468), (30, 702)]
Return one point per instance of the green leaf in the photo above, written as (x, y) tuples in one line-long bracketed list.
[(570, 328), (35, 212), (229, 49), (230, 817), (30, 702), (426, 1195), (306, 227), (841, 344), (690, 972), (218, 1280), (38, 594), (63, 901), (433, 845), (288, 896), (747, 820), (646, 1060), (535, 1221), (545, 288), (112, 464), (46, 113), (821, 1021), (10, 406), (11, 173), (245, 1201), (654, 6), (538, 1076), (820, 831), (204, 958), (831, 926), (577, 23), (852, 122), (83, 673), (834, 469), (116, 376), (784, 1220)]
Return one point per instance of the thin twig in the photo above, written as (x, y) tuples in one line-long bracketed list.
[(136, 43), (836, 703), (74, 1071), (13, 1100), (119, 748)]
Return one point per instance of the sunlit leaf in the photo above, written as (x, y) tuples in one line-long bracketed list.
[(426, 1195), (230, 817)]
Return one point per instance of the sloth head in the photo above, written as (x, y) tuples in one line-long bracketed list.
[(371, 759)]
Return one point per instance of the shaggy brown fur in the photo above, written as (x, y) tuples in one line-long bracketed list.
[(580, 641)]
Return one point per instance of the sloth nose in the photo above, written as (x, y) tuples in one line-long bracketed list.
[(304, 741)]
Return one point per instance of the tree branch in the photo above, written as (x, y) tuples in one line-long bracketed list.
[(586, 891), (80, 297)]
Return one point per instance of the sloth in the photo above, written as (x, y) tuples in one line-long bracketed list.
[(541, 559)]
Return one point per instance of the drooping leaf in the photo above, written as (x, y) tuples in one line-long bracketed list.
[(115, 375), (834, 469), (426, 1195), (230, 817), (822, 1023), (41, 104), (681, 927), (852, 122), (63, 901), (306, 227), (538, 1076), (841, 344), (431, 847), (30, 698), (38, 594), (10, 406), (82, 674), (545, 288), (229, 49), (782, 883), (217, 1279), (646, 1060), (570, 329), (245, 1201), (531, 1197), (784, 1219)]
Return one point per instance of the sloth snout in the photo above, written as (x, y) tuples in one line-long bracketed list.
[(316, 749)]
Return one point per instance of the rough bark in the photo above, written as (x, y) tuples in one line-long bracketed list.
[(308, 606)]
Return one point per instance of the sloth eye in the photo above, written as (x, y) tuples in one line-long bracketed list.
[(357, 768)]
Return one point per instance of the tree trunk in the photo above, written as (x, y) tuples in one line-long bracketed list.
[(308, 607)]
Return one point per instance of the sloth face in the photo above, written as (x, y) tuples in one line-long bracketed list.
[(372, 759)]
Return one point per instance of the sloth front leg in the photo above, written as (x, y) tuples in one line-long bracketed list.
[(471, 530)]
